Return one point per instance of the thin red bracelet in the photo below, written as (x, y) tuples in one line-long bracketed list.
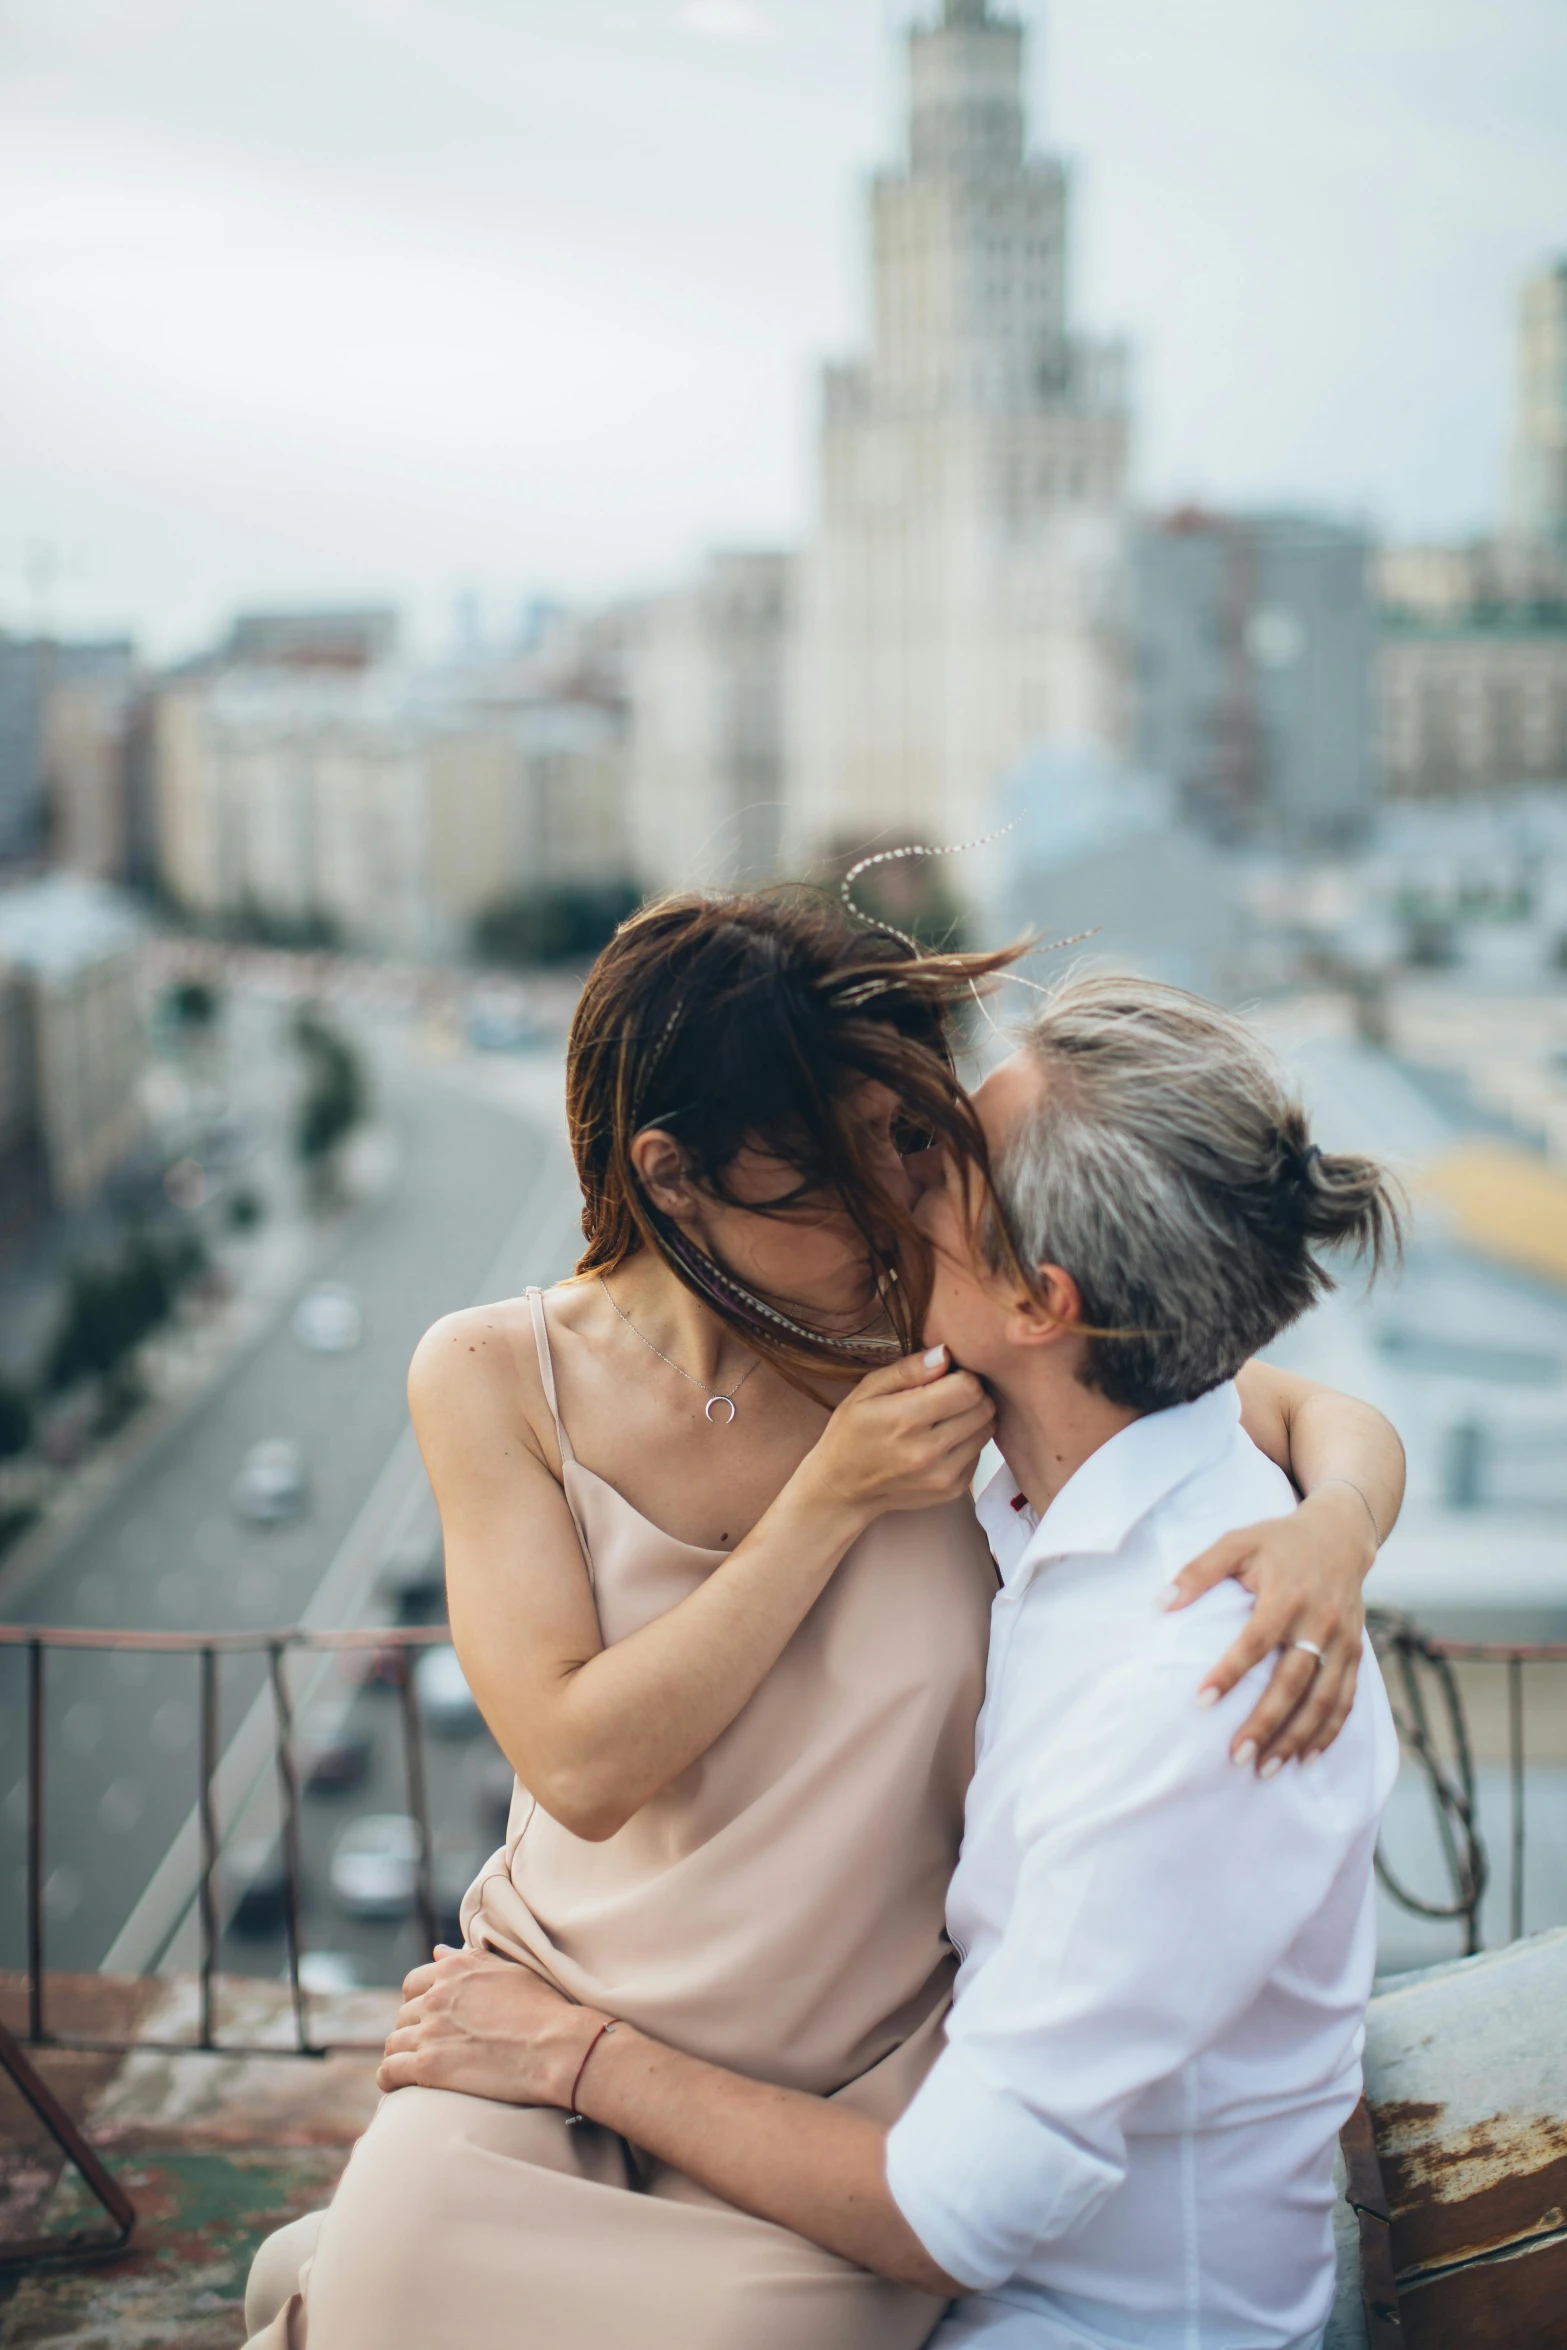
[(602, 2033)]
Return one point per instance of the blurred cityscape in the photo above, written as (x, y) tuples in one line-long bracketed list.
[(290, 932)]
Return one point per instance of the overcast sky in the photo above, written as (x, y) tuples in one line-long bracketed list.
[(392, 298)]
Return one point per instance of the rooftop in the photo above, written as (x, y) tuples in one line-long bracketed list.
[(1542, 617), (63, 924), (216, 2150), (1450, 2179)]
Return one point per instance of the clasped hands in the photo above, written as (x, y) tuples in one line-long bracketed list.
[(489, 2027)]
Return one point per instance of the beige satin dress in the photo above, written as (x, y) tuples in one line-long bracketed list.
[(777, 1909)]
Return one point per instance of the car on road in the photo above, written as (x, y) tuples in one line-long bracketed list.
[(413, 1581), (327, 1319), (454, 1873), (375, 1865), (498, 1022), (493, 1792), (257, 1883), (333, 1762), (445, 1699), (272, 1483), (327, 1971), (375, 1668)]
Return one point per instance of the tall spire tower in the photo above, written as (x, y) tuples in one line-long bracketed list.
[(1539, 471), (956, 597)]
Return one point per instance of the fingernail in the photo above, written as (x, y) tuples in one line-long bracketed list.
[(1168, 1596), (1245, 1754), (1272, 1767), (1312, 1755), (935, 1357), (1208, 1697)]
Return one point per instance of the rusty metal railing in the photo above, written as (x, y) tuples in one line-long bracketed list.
[(1427, 1701), (1417, 1667), (1434, 1730), (397, 1641)]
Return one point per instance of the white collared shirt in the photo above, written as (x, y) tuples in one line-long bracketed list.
[(1157, 2023)]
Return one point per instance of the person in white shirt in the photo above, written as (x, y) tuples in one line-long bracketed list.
[(1155, 2033), (1156, 2025)]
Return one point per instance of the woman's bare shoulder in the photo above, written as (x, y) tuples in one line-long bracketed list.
[(478, 1365)]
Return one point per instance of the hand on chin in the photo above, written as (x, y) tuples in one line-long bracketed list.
[(488, 2028)]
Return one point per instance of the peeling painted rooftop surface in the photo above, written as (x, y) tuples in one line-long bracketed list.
[(216, 2150), (1466, 2081), (1466, 2077)]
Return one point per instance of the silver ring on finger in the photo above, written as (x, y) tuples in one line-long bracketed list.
[(1310, 1648)]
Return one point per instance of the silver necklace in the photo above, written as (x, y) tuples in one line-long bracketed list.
[(728, 1399), (859, 1347)]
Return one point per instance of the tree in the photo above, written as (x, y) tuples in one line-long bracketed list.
[(16, 1421), (110, 1308), (194, 1003), (336, 1094), (246, 1209), (912, 893), (96, 1332), (253, 925), (568, 924)]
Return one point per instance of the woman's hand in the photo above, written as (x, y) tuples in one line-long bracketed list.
[(905, 1438), (488, 2027), (1306, 1573)]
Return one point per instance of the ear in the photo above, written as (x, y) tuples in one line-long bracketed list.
[(660, 1166), (926, 1169), (1051, 1311)]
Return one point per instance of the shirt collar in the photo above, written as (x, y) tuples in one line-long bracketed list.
[(1008, 1520), (1116, 1486)]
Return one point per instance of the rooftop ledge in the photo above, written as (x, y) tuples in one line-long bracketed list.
[(215, 2149), (1452, 2178)]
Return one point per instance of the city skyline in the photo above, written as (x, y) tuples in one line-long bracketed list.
[(459, 307)]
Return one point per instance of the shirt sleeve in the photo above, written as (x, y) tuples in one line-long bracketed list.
[(1157, 1892)]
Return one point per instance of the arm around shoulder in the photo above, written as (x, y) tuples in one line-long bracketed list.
[(1306, 1570), (1320, 1437)]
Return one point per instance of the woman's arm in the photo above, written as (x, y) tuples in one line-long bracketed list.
[(488, 2028), (1307, 1570), (594, 1732), (1319, 1437)]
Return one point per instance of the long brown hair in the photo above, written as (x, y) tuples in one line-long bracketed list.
[(754, 1019)]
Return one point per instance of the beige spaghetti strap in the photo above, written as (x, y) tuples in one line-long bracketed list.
[(568, 1459), (541, 1339)]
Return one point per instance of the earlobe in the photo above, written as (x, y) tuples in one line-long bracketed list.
[(1030, 1324), (1052, 1310)]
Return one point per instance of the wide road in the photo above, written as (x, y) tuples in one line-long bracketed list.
[(482, 1197)]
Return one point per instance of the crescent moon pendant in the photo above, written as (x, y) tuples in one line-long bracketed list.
[(728, 1403)]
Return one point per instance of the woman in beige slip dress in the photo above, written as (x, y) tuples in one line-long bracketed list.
[(757, 1849)]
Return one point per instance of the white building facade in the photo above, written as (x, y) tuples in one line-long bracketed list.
[(73, 1041), (962, 596), (1472, 668), (296, 800), (1538, 503), (376, 807), (1475, 704), (709, 675)]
